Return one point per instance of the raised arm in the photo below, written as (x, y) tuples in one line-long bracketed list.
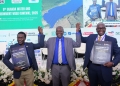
[(45, 44), (78, 39), (41, 37), (40, 43), (88, 13), (83, 39)]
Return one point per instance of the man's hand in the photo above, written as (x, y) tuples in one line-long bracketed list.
[(17, 68), (109, 64), (40, 30), (78, 27)]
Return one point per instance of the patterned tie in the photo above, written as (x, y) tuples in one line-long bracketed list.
[(99, 38), (60, 52)]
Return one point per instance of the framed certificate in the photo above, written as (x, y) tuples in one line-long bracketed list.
[(101, 52), (20, 57)]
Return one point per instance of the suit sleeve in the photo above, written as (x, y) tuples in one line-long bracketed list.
[(40, 43), (83, 39), (88, 13), (78, 41), (46, 43), (116, 52), (118, 6), (7, 62)]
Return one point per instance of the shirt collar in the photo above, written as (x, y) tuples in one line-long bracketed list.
[(60, 38), (101, 36)]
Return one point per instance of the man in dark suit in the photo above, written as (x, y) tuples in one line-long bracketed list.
[(97, 73), (60, 56), (26, 73)]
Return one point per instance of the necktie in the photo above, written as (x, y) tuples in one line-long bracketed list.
[(60, 52), (111, 11), (99, 38)]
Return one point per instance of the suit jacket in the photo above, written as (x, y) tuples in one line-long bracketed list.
[(69, 45), (98, 10), (115, 6), (106, 72), (30, 47)]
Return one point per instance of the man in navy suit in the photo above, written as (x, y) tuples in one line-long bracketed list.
[(100, 74), (27, 73)]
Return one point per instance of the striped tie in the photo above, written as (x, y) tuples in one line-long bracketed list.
[(60, 52), (111, 10)]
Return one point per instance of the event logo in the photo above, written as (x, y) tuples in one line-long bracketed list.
[(111, 33), (117, 33), (2, 1), (33, 1), (87, 33), (3, 35), (28, 40), (16, 1), (12, 34), (65, 33), (69, 33)]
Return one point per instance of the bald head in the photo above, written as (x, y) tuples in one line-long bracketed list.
[(100, 23), (59, 31), (101, 28)]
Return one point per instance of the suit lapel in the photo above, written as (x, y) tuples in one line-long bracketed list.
[(27, 48), (65, 42), (106, 38), (93, 39)]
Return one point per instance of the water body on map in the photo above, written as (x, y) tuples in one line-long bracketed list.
[(57, 14)]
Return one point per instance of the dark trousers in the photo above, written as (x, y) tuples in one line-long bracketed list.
[(95, 76)]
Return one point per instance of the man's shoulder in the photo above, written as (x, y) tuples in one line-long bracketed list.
[(14, 45), (51, 38), (68, 38), (111, 38), (98, 5), (92, 35)]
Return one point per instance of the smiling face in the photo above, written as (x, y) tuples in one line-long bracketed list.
[(21, 38), (94, 2), (101, 29), (59, 31)]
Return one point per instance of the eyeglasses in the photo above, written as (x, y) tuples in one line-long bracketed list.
[(103, 28)]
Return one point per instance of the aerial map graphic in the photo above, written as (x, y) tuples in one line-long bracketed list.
[(62, 12)]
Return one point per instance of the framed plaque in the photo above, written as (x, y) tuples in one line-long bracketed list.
[(101, 52), (20, 57)]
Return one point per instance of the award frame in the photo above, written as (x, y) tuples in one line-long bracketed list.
[(101, 52), (20, 57)]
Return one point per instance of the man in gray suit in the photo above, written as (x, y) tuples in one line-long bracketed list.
[(111, 9), (60, 56)]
